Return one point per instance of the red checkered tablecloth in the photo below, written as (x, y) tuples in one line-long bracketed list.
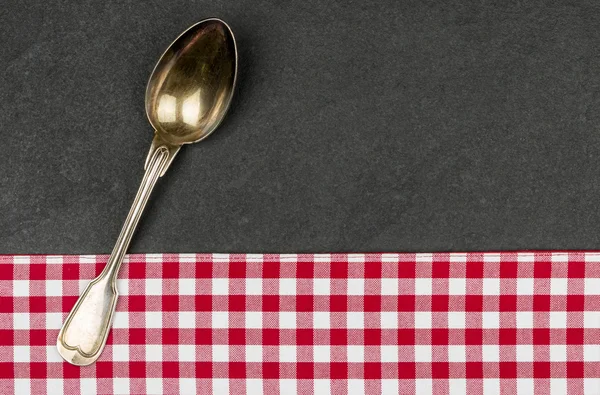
[(491, 323)]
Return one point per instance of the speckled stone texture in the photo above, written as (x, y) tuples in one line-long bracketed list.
[(357, 126)]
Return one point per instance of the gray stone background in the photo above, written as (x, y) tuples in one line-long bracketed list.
[(357, 126)]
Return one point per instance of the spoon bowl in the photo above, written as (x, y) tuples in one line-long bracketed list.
[(192, 84)]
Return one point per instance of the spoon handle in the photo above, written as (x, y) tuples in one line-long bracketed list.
[(83, 335)]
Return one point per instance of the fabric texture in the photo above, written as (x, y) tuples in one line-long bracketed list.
[(491, 323)]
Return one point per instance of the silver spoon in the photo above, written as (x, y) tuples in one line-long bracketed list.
[(187, 96)]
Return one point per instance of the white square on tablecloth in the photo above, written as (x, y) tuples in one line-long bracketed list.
[(52, 354), (524, 319), (590, 385), (457, 286), (255, 258), (321, 286), (491, 386), (154, 386), (220, 319), (322, 258), (220, 258), (322, 387), (491, 257), (591, 353), (154, 258), (524, 353), (287, 353), (288, 386), (390, 286), (120, 352), (21, 354), (121, 385), (356, 286), (121, 319), (54, 320), (20, 288), (591, 319), (154, 352), (287, 286), (592, 286), (356, 387), (523, 257), (253, 286), (220, 286), (559, 386), (322, 353), (21, 260), (490, 353), (154, 319), (187, 386), (187, 319), (423, 319), (355, 353), (457, 319), (254, 386), (153, 286), (321, 320), (87, 386), (389, 354), (220, 353), (558, 319), (490, 319), (457, 386), (287, 319), (55, 386), (559, 286), (54, 288), (355, 320), (491, 286), (457, 353), (558, 353), (422, 353), (54, 259), (220, 386), (187, 258), (254, 319), (356, 258), (186, 353), (424, 386), (524, 286), (525, 387), (254, 353), (22, 387), (458, 257), (187, 286), (592, 257), (559, 257), (21, 321), (389, 387), (389, 319), (423, 286)]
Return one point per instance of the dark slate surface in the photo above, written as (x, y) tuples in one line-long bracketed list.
[(357, 126)]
